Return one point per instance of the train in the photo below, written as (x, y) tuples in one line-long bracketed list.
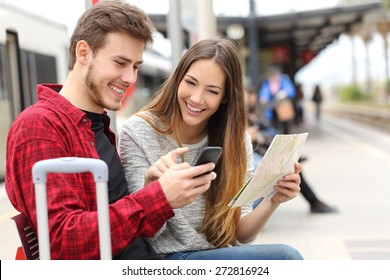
[(34, 50)]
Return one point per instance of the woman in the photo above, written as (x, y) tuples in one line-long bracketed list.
[(202, 104)]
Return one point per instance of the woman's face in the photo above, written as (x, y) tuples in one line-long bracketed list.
[(200, 93)]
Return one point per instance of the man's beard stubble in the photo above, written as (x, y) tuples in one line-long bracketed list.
[(93, 90)]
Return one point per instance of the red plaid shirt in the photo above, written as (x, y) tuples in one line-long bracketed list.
[(53, 128)]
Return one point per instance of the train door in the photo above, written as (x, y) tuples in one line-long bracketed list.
[(11, 92), (14, 70)]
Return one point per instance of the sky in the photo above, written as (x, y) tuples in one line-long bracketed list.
[(67, 12)]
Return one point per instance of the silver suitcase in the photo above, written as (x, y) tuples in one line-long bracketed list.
[(99, 170)]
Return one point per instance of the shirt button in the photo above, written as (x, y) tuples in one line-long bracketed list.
[(91, 143), (85, 120)]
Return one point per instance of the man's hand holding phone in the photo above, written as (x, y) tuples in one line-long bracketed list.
[(157, 169), (182, 183)]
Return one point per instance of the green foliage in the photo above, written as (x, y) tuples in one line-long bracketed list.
[(351, 93), (386, 3)]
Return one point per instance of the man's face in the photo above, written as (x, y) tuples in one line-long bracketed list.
[(112, 70)]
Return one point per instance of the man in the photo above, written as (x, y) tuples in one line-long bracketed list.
[(105, 54)]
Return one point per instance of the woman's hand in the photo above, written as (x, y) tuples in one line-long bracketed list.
[(288, 187), (162, 164)]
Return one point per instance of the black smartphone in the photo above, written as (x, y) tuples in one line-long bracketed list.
[(209, 154)]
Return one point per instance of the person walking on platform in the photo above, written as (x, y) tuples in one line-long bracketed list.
[(317, 99)]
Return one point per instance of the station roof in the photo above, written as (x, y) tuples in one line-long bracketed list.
[(300, 32), (312, 30)]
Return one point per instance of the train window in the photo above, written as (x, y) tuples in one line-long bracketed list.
[(3, 72), (36, 69), (20, 71), (13, 70), (49, 64), (27, 79), (5, 108)]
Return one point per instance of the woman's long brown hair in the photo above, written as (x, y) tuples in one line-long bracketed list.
[(226, 128)]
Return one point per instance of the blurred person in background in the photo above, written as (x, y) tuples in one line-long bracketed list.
[(299, 104), (317, 99), (277, 94)]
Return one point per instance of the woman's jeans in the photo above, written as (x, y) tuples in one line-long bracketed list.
[(243, 252)]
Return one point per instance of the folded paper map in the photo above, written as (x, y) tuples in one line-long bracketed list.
[(277, 162)]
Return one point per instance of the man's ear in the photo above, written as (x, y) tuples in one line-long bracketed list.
[(82, 52)]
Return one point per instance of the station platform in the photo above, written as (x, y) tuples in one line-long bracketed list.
[(348, 167)]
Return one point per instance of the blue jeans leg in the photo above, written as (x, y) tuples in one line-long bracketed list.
[(257, 202), (243, 252), (256, 159)]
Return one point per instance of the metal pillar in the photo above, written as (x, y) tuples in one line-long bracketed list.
[(353, 60), (206, 23), (175, 31), (254, 61)]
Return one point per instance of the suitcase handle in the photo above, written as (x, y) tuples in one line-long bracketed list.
[(70, 165), (99, 169)]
